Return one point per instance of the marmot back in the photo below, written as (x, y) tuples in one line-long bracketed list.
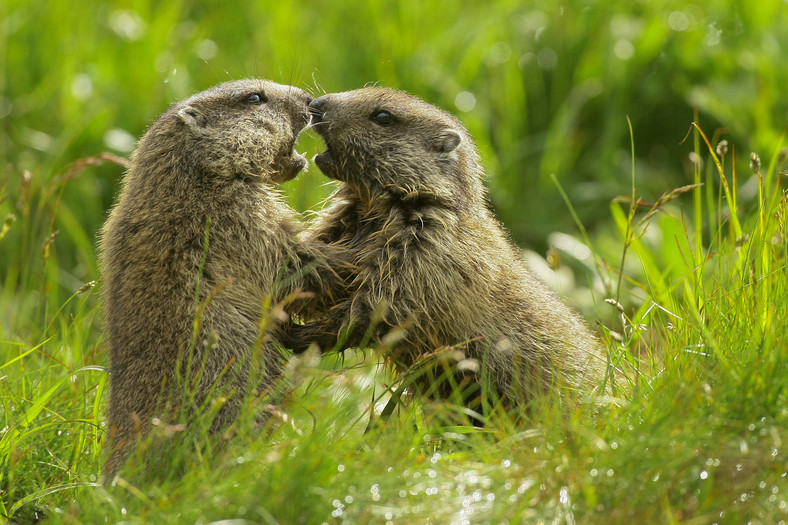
[(430, 254), (193, 250)]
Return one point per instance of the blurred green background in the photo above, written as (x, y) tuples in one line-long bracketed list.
[(545, 87)]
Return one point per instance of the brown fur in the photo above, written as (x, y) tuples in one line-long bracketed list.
[(204, 169), (431, 255)]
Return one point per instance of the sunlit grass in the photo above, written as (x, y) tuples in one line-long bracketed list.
[(688, 240), (695, 428)]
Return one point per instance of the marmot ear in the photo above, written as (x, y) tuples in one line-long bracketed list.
[(192, 117), (447, 140)]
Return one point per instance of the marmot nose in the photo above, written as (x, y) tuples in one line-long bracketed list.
[(316, 110)]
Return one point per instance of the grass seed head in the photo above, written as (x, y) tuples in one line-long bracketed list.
[(722, 148), (755, 163)]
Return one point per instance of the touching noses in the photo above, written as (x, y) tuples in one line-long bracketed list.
[(316, 110)]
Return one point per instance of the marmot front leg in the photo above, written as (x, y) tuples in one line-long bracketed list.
[(325, 273), (300, 337), (337, 331)]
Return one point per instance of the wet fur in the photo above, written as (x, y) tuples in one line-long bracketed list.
[(204, 170), (431, 256)]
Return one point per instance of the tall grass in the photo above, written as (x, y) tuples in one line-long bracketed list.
[(688, 238), (694, 431)]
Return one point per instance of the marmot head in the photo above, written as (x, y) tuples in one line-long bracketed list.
[(382, 141), (241, 129)]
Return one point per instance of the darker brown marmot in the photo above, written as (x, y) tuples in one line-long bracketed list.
[(432, 259), (196, 254)]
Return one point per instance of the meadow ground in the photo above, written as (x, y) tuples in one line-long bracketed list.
[(671, 244)]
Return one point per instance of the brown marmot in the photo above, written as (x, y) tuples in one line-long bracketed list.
[(196, 253), (432, 259)]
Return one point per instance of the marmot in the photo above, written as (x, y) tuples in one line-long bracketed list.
[(196, 247), (432, 259)]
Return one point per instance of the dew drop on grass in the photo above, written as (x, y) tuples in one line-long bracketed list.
[(525, 486), (120, 140), (499, 53), (624, 49), (713, 35), (678, 21), (341, 468), (526, 60), (206, 49), (82, 86), (465, 101), (547, 58), (704, 474)]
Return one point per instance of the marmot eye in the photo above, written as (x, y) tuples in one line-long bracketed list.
[(383, 118), (256, 98)]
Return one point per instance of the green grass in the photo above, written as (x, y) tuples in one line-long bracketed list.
[(688, 242)]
